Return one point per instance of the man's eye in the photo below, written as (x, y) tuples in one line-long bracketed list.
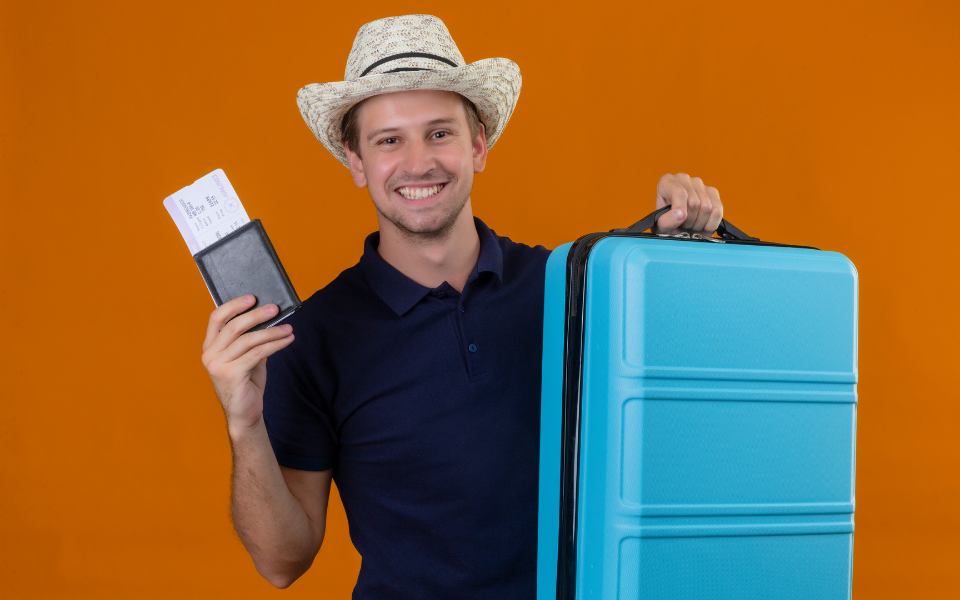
[(440, 134), (389, 141)]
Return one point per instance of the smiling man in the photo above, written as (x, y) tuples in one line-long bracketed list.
[(417, 154), (414, 377)]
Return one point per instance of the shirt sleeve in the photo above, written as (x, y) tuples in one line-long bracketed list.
[(297, 416)]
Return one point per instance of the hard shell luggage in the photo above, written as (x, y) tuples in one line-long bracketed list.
[(698, 419)]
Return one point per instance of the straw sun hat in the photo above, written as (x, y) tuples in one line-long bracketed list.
[(413, 52)]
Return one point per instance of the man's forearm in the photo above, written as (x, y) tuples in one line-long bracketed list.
[(272, 525)]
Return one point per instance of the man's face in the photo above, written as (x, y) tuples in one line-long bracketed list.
[(418, 159)]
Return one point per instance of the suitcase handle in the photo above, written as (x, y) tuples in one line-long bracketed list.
[(726, 230)]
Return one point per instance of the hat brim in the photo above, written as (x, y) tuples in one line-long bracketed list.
[(492, 84)]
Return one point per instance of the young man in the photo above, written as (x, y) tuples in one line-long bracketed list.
[(414, 377)]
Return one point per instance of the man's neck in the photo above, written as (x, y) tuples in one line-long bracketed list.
[(430, 262)]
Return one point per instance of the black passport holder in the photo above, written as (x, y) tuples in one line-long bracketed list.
[(244, 262)]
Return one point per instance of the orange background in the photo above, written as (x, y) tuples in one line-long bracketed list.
[(821, 123)]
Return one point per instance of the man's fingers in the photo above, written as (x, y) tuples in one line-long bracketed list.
[(249, 360), (224, 313), (693, 205), (239, 324), (717, 214), (234, 363), (706, 205), (242, 323), (671, 191), (246, 342), (696, 208)]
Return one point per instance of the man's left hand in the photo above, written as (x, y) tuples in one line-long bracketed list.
[(696, 207)]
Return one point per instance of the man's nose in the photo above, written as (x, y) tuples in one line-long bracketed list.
[(419, 157)]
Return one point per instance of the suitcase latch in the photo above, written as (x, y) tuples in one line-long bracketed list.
[(683, 235)]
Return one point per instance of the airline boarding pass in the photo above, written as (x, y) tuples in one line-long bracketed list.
[(206, 210)]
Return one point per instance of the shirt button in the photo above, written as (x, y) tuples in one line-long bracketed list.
[(462, 309), (473, 347), (441, 294)]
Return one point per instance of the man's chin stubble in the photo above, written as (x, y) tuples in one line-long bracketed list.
[(425, 235)]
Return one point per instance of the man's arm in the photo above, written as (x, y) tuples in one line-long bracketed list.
[(279, 513)]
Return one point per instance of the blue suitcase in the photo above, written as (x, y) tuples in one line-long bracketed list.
[(698, 419)]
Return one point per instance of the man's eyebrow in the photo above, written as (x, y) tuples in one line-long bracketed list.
[(447, 121), (381, 131), (433, 123)]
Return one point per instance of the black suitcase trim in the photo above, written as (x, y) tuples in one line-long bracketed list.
[(577, 259)]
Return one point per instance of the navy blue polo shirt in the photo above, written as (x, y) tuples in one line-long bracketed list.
[(426, 405)]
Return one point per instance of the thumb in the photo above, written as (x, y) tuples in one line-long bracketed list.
[(671, 219)]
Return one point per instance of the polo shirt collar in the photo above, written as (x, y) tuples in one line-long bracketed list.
[(402, 293)]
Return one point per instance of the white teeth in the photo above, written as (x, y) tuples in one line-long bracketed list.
[(419, 193)]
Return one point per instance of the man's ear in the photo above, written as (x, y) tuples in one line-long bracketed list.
[(480, 150), (356, 167)]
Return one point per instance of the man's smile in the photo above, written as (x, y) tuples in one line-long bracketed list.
[(420, 192)]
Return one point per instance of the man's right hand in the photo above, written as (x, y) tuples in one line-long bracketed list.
[(235, 360)]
